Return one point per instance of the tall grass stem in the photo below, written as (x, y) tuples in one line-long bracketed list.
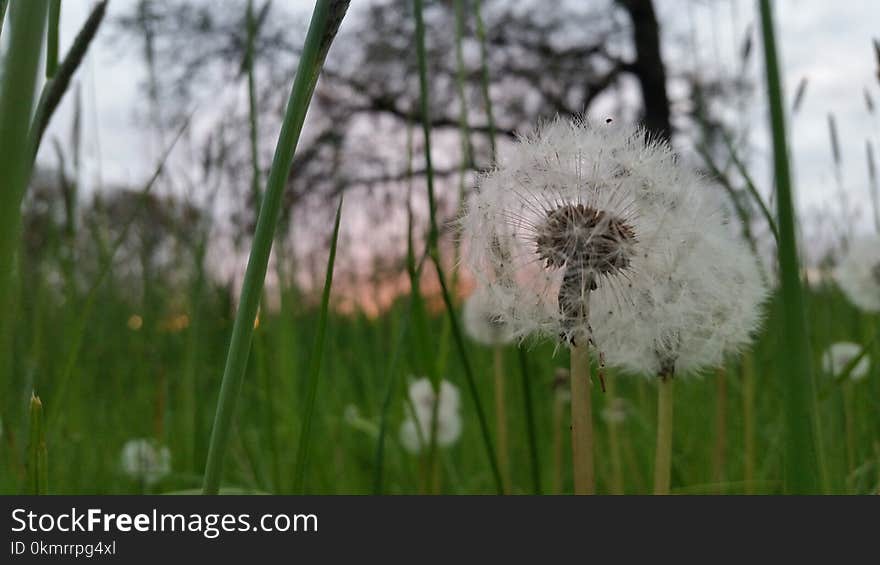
[(794, 359), (326, 18)]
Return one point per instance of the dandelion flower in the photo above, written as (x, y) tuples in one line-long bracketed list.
[(415, 432), (578, 210), (859, 274), (145, 460), (482, 320), (839, 355)]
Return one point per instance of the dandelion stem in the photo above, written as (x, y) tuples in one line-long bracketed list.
[(501, 417), (558, 410), (582, 421), (719, 455), (614, 442), (663, 455), (748, 422)]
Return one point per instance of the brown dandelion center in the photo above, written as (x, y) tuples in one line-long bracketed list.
[(588, 243), (582, 237)]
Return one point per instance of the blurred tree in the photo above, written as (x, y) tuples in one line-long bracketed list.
[(570, 60)]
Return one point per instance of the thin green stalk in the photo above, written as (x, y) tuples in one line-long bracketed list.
[(52, 39), (534, 460), (433, 246), (54, 89), (38, 469), (325, 22), (252, 105), (872, 184), (750, 186), (748, 385), (616, 483), (484, 78), (801, 464), (3, 5), (314, 374), (27, 21), (663, 453)]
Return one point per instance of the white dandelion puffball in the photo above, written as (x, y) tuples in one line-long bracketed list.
[(146, 461), (578, 211), (482, 320), (839, 355), (859, 274), (415, 432), (700, 302)]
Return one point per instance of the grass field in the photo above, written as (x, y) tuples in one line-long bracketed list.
[(109, 369)]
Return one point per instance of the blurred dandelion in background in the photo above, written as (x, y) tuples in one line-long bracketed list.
[(415, 432), (859, 274), (145, 460)]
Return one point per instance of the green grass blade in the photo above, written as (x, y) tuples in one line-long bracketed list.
[(801, 460), (302, 451), (325, 22), (27, 21), (52, 38), (256, 193), (484, 78), (433, 246), (54, 89), (3, 5), (534, 460), (38, 470)]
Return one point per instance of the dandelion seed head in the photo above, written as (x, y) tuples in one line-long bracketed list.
[(145, 460), (839, 355), (858, 274), (416, 428), (575, 211)]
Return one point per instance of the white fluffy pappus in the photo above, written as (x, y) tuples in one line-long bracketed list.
[(482, 320), (415, 432), (145, 460), (858, 274), (701, 302), (577, 210), (838, 355)]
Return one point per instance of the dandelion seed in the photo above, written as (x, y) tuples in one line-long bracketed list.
[(145, 460), (415, 432), (839, 355), (859, 274)]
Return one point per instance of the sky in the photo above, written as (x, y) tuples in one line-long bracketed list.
[(829, 43)]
